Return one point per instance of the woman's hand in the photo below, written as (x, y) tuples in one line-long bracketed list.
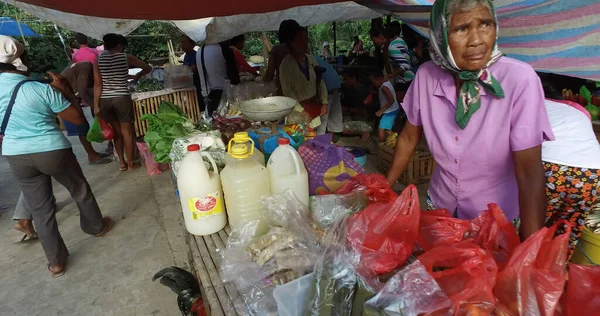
[(379, 113), (323, 109), (97, 111), (59, 82)]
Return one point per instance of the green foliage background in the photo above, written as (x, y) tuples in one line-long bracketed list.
[(150, 39)]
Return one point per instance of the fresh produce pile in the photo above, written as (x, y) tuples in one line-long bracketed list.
[(386, 257), (586, 99), (593, 219), (164, 127), (391, 140), (146, 85)]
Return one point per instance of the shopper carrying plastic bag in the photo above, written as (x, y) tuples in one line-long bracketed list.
[(535, 274), (100, 131)]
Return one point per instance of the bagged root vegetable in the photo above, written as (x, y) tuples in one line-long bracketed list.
[(410, 292), (534, 277), (374, 184), (466, 274), (385, 233), (583, 290)]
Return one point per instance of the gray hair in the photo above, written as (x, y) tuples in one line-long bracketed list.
[(456, 6)]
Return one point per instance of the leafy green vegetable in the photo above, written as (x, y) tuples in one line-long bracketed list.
[(152, 84), (164, 127), (586, 94)]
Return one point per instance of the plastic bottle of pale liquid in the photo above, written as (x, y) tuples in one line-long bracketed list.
[(200, 194), (245, 182), (256, 155), (287, 171)]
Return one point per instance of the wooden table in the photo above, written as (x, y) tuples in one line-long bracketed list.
[(219, 298)]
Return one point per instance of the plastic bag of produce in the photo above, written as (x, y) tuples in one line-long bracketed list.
[(357, 127), (210, 142), (257, 264), (534, 277), (493, 232), (333, 286), (326, 208), (583, 290), (100, 131), (374, 184), (467, 274), (490, 230), (385, 233), (410, 292)]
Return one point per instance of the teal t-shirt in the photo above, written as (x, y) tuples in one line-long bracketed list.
[(32, 126)]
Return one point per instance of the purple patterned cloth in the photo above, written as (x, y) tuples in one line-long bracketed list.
[(328, 165)]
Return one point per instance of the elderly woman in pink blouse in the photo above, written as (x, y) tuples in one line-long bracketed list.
[(483, 117)]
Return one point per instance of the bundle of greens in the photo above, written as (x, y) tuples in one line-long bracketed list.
[(164, 127), (145, 85)]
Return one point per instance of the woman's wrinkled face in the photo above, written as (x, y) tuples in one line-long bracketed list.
[(471, 37)]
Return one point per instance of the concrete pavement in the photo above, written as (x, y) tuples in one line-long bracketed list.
[(104, 276)]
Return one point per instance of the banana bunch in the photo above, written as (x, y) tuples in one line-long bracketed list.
[(593, 220), (391, 140)]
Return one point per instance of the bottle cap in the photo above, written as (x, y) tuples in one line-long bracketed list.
[(283, 141), (193, 147)]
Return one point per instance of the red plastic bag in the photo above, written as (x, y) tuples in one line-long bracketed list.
[(107, 130), (583, 290), (535, 274), (467, 274), (375, 185), (385, 234), (495, 233), (438, 227), (490, 230)]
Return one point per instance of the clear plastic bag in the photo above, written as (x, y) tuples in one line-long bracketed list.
[(357, 127), (257, 264), (333, 287), (410, 292), (210, 142), (234, 95), (326, 208)]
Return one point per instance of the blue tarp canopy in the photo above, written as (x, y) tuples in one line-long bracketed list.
[(10, 27)]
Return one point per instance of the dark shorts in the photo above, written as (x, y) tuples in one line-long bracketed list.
[(117, 109), (76, 130)]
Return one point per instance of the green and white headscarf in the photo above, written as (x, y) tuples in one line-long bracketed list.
[(469, 100)]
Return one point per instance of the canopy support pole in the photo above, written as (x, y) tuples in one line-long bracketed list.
[(334, 38)]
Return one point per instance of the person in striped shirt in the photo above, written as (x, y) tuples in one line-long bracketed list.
[(112, 101), (399, 65)]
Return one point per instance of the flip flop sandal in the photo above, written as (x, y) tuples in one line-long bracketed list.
[(56, 274), (105, 155), (101, 161), (122, 168), (28, 239), (108, 223), (135, 167)]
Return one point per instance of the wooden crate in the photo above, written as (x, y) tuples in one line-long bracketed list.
[(419, 167), (148, 102)]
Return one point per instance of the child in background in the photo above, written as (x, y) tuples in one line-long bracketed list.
[(388, 103)]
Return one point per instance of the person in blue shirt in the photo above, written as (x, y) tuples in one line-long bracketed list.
[(332, 121), (188, 46), (37, 151)]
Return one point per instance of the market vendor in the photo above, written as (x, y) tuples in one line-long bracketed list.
[(483, 116), (287, 28), (237, 45), (572, 165), (298, 76)]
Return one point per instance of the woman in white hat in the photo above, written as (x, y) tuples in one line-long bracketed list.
[(37, 150), (325, 52)]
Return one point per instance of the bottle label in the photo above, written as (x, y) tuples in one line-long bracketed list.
[(206, 206)]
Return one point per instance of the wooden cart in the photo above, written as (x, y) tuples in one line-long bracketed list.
[(148, 102), (419, 167)]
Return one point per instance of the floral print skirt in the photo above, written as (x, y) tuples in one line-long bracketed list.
[(571, 193)]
